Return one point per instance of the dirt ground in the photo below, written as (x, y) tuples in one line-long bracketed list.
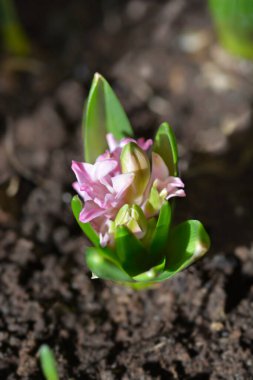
[(163, 60)]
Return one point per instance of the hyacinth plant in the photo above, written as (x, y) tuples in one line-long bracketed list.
[(125, 203)]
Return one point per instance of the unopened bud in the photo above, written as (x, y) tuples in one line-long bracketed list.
[(155, 200), (133, 218), (134, 160)]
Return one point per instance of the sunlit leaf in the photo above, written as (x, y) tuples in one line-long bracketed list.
[(104, 114), (187, 243), (166, 146), (103, 263), (91, 234), (188, 240)]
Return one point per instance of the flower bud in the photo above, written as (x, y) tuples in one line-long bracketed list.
[(154, 202), (133, 218), (134, 160)]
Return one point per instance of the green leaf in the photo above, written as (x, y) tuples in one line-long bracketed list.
[(91, 234), (131, 252), (166, 146), (104, 114), (48, 364), (103, 263), (151, 275), (156, 256), (161, 233), (151, 225), (187, 243)]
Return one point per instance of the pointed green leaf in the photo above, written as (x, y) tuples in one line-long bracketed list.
[(104, 114), (166, 146), (103, 263), (187, 243), (94, 125), (161, 233), (48, 363), (116, 119), (131, 252), (91, 234)]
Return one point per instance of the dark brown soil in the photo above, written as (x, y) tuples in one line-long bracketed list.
[(164, 62)]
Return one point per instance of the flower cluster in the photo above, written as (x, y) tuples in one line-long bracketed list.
[(124, 176)]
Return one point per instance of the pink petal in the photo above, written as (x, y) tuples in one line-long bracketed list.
[(82, 170), (112, 142), (144, 144), (95, 191), (172, 185), (176, 193), (90, 211), (170, 181), (108, 201), (125, 141), (121, 182), (159, 168), (177, 182), (105, 156), (98, 222), (103, 168), (107, 182), (83, 194), (104, 239)]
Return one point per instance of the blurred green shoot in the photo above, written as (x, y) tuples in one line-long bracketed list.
[(234, 23), (48, 363), (13, 37)]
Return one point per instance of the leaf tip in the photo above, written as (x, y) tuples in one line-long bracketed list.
[(98, 77), (202, 245)]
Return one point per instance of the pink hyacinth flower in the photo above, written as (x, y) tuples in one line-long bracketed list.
[(164, 182), (115, 147), (102, 189), (105, 189)]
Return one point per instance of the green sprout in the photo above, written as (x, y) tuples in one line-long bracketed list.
[(48, 363)]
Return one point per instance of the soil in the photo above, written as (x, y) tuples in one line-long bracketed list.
[(163, 60)]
